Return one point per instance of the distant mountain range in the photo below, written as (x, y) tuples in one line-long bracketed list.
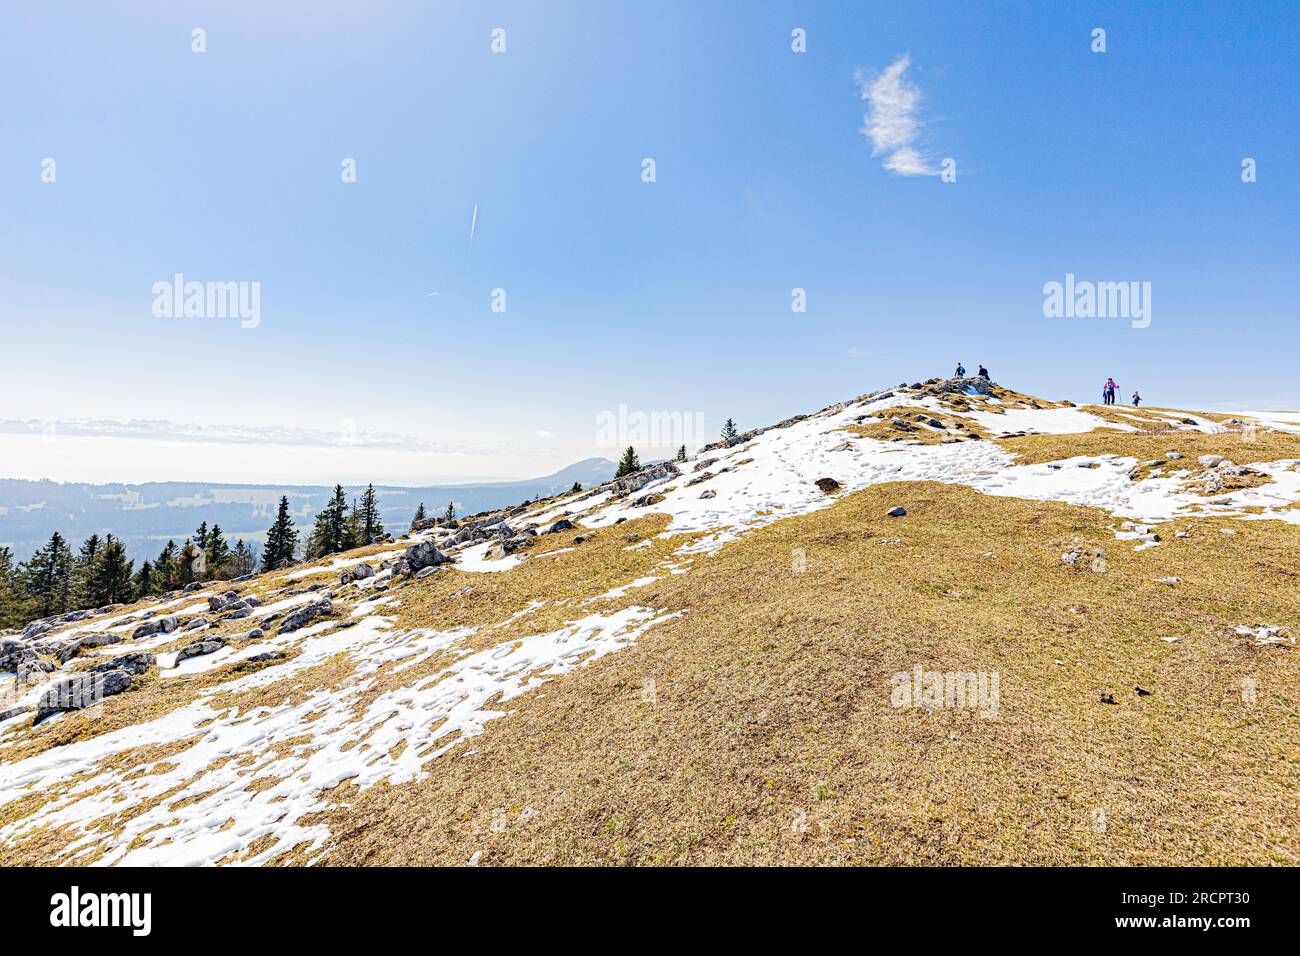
[(145, 516)]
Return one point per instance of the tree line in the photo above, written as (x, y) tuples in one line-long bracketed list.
[(56, 579)]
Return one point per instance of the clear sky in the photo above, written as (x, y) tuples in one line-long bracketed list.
[(772, 170)]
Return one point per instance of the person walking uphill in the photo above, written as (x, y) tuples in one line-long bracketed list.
[(1108, 392), (1137, 399)]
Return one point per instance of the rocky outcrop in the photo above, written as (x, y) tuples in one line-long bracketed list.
[(81, 691), (305, 615)]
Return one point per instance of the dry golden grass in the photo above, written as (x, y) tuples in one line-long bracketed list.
[(769, 736)]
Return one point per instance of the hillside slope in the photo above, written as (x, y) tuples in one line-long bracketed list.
[(1076, 645)]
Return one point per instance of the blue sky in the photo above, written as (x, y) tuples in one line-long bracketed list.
[(666, 296)]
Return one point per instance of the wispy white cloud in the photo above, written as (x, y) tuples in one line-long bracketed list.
[(890, 123)]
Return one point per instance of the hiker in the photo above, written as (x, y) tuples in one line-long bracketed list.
[(961, 370), (983, 372), (1137, 399), (1108, 393)]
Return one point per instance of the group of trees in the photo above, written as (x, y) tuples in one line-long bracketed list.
[(422, 515), (631, 462), (340, 527), (57, 579)]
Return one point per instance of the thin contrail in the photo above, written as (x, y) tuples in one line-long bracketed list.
[(473, 222)]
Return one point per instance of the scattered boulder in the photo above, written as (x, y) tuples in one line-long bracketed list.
[(157, 625), (564, 524), (827, 485), (82, 690), (424, 555), (196, 623), (73, 645), (305, 615), (136, 664), (708, 493), (639, 479), (1210, 461), (358, 573), (254, 634), (896, 512), (199, 648)]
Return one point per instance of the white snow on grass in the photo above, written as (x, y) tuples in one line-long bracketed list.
[(474, 558), (392, 739)]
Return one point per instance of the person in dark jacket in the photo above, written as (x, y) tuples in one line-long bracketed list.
[(983, 372), (961, 370)]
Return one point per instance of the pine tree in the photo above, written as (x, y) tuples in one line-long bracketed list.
[(190, 564), (419, 516), (47, 577), (372, 529), (13, 603), (241, 560), (218, 553), (450, 513), (110, 575), (729, 430), (577, 486), (142, 585), (164, 569), (330, 533), (628, 463), (681, 453), (281, 540), (201, 536), (82, 566)]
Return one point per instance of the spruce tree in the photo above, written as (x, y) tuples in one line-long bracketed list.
[(13, 603), (281, 540), (577, 486), (628, 463), (110, 575), (729, 430), (190, 564), (218, 553), (419, 516), (241, 560), (330, 533), (201, 536), (164, 569), (372, 529), (681, 453), (47, 577), (450, 514), (82, 566), (142, 585)]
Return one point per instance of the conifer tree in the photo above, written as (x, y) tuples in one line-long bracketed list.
[(729, 430), (218, 553), (577, 486), (142, 585), (450, 513), (681, 453), (13, 603), (372, 529), (47, 577), (201, 536), (82, 566), (628, 463), (190, 564), (110, 575), (241, 560), (164, 569), (419, 516), (330, 533), (281, 540)]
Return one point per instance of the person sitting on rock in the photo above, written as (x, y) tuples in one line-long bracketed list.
[(983, 372)]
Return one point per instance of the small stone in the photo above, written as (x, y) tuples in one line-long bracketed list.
[(896, 512)]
